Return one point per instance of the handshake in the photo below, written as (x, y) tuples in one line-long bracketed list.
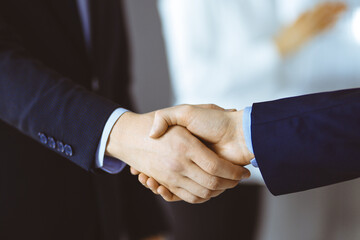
[(186, 152)]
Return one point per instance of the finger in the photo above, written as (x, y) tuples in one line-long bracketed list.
[(152, 184), (326, 24), (213, 165), (143, 179), (187, 196), (148, 182), (218, 193), (338, 6), (327, 13), (303, 17), (134, 171), (206, 180), (196, 189), (332, 16), (322, 15), (342, 6), (167, 195)]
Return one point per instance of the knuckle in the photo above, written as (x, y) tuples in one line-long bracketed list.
[(241, 173), (177, 161), (207, 194), (174, 166), (166, 198), (238, 173), (213, 106), (167, 177), (194, 200), (214, 183), (141, 179), (200, 200), (212, 167), (233, 184), (187, 108), (180, 148)]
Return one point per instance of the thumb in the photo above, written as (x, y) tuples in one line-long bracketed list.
[(160, 125), (178, 115)]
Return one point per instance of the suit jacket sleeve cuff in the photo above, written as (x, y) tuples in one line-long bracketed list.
[(109, 164)]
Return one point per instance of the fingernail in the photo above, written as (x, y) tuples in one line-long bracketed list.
[(152, 132)]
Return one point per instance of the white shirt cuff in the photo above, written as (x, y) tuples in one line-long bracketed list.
[(247, 133), (109, 164)]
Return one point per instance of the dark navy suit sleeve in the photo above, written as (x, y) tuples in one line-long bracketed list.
[(34, 99), (308, 141)]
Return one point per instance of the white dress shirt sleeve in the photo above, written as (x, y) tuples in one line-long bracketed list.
[(109, 164), (247, 133)]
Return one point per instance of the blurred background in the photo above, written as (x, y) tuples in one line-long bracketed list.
[(234, 53)]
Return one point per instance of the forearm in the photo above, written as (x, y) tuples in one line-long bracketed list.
[(308, 141), (36, 99)]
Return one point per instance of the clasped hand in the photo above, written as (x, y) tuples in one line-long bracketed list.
[(185, 152)]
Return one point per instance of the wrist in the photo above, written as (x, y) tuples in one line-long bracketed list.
[(239, 137), (117, 135)]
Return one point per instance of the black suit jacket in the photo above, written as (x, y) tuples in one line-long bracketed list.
[(308, 141), (45, 87)]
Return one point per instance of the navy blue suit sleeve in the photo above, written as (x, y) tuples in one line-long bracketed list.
[(34, 99), (308, 141)]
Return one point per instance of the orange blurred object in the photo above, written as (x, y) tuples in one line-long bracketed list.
[(308, 25)]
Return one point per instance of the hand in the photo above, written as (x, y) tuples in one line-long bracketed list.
[(154, 186), (222, 130), (308, 25), (178, 160)]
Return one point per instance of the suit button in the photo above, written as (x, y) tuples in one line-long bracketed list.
[(95, 84), (43, 138), (60, 147), (68, 150), (51, 142)]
